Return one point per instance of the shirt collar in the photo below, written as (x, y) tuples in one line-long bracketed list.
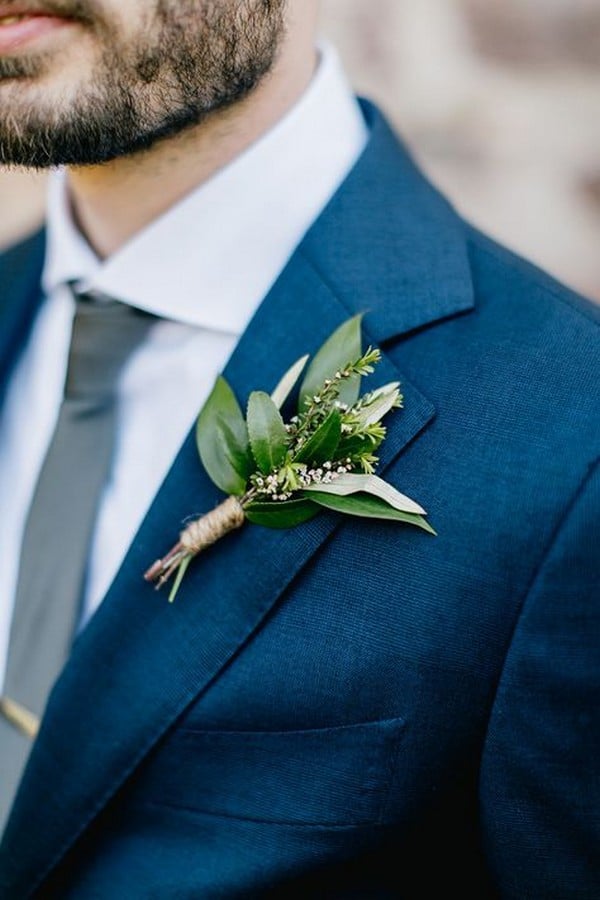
[(209, 260)]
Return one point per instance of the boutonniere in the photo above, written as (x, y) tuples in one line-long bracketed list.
[(280, 474)]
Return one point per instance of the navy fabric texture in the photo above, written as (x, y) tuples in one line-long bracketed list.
[(325, 708)]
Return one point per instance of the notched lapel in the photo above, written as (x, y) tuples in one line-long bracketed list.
[(141, 661)]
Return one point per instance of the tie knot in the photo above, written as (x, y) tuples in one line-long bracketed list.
[(104, 335)]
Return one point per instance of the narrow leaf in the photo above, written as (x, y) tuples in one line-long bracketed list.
[(368, 507), (356, 444), (222, 440), (284, 514), (341, 348), (344, 485), (382, 401), (322, 445), (288, 382), (268, 437), (182, 569)]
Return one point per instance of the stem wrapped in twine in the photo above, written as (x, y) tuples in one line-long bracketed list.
[(197, 536), (212, 526)]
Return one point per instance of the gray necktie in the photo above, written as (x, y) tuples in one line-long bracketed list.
[(60, 523)]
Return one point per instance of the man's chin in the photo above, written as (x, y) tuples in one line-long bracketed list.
[(36, 128)]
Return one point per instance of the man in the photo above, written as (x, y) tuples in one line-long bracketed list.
[(341, 709)]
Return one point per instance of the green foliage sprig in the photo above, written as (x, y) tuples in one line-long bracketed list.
[(279, 474)]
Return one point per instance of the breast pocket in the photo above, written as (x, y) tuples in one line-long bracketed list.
[(320, 777)]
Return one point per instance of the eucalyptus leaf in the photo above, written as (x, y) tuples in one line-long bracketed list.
[(369, 507), (343, 347), (322, 445), (288, 382), (266, 430), (345, 485), (222, 440), (281, 514), (381, 402)]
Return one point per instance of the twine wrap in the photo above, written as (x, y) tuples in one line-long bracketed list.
[(214, 525)]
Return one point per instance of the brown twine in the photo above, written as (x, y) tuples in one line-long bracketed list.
[(214, 525)]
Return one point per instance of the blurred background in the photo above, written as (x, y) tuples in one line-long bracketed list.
[(499, 100)]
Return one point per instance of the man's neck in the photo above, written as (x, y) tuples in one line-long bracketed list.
[(113, 201)]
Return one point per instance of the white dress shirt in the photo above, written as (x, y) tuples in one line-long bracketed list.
[(203, 267)]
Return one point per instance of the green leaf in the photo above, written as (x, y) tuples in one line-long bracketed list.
[(381, 402), (368, 507), (238, 455), (182, 569), (345, 485), (268, 437), (222, 440), (288, 382), (341, 348), (322, 445), (283, 514), (354, 445)]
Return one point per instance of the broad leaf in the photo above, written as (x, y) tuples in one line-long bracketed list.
[(288, 382), (222, 440), (283, 514), (343, 347), (268, 437), (240, 457), (345, 485), (322, 445), (368, 507)]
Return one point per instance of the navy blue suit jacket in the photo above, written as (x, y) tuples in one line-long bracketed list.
[(352, 708)]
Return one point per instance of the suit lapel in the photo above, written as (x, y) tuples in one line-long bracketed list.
[(20, 297), (141, 662)]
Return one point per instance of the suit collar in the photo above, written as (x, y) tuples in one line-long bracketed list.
[(389, 236), (140, 662)]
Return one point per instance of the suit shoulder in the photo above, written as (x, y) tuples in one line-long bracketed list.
[(534, 348), (497, 269)]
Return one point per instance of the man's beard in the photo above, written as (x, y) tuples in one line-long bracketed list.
[(198, 56)]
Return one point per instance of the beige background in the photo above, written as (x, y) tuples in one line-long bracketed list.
[(498, 99)]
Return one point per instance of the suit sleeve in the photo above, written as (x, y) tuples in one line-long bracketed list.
[(540, 776)]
